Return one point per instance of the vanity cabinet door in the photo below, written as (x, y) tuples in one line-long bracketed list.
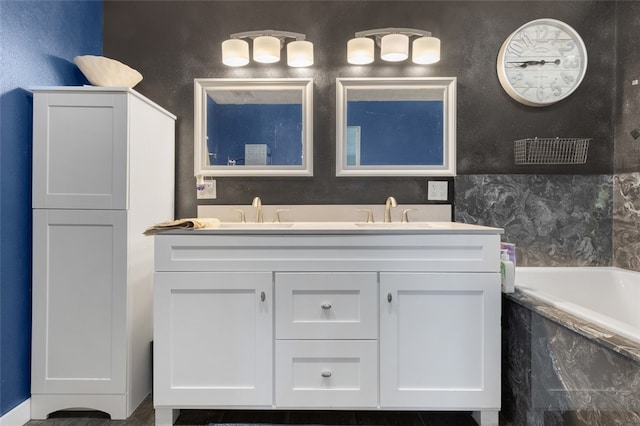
[(79, 303), (80, 146), (440, 340), (322, 305), (326, 373), (213, 339)]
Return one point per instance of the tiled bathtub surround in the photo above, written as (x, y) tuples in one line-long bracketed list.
[(555, 220), (559, 370), (626, 221)]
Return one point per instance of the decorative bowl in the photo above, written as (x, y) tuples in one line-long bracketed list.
[(101, 71)]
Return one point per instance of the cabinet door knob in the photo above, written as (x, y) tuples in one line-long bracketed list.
[(326, 374), (326, 306), (263, 296), (389, 297)]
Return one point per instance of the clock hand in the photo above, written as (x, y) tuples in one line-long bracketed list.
[(524, 64)]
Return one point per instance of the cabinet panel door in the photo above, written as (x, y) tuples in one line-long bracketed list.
[(326, 373), (79, 301), (80, 151), (439, 340), (317, 305), (213, 338)]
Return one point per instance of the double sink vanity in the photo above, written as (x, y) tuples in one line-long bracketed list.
[(335, 315)]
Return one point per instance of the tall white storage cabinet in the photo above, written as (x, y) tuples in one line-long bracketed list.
[(103, 171)]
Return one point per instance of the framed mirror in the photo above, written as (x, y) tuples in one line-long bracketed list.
[(253, 127), (395, 126)]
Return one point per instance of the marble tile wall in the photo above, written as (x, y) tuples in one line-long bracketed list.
[(626, 221), (554, 220), (556, 376)]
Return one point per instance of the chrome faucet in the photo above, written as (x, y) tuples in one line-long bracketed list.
[(243, 219), (257, 203), (369, 213), (405, 215), (276, 215), (391, 202)]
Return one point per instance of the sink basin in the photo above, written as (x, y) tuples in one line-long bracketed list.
[(239, 225)]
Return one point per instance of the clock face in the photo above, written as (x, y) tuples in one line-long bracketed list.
[(542, 62)]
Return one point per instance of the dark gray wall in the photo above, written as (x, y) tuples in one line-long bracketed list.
[(626, 181), (173, 42), (579, 219), (627, 148)]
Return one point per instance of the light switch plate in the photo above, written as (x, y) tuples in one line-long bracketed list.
[(206, 190), (438, 190)]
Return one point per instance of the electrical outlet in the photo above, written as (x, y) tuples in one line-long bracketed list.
[(437, 190), (207, 189)]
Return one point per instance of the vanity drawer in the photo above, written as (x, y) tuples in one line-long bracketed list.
[(326, 305), (328, 373)]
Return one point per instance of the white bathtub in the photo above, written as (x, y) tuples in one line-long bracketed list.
[(609, 297)]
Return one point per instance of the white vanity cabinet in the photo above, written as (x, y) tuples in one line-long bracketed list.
[(351, 319), (103, 170)]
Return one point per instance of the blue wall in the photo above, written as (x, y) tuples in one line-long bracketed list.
[(38, 40)]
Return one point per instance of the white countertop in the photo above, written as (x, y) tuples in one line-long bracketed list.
[(341, 228)]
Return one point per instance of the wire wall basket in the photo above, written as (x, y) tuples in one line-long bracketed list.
[(551, 150)]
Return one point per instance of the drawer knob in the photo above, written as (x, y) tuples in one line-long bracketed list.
[(263, 296), (389, 297), (326, 374), (326, 306)]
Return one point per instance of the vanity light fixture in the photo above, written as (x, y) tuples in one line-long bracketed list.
[(394, 46), (267, 45)]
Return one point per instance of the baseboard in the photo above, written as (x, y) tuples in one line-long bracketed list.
[(18, 416)]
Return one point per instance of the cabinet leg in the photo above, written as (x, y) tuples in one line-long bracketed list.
[(486, 418), (166, 416)]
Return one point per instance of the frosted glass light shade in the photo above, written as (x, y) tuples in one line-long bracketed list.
[(300, 53), (394, 47), (235, 52), (426, 50), (266, 49), (360, 51)]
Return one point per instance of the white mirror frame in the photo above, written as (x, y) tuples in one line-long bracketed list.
[(448, 87), (204, 85)]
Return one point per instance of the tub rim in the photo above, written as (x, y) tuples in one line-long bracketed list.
[(595, 332), (610, 324)]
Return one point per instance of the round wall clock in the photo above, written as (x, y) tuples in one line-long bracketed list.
[(542, 62)]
